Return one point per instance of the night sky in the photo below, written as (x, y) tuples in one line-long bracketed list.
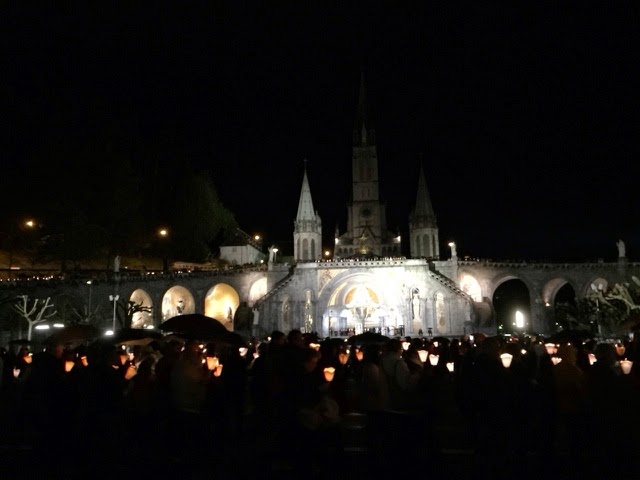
[(527, 119)]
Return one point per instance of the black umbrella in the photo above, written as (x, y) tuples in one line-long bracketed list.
[(195, 326), (573, 336), (73, 334), (135, 336), (23, 341), (368, 338)]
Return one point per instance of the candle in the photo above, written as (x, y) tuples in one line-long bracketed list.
[(131, 372), (329, 372), (315, 346), (450, 366), (343, 357), (423, 355), (243, 351), (592, 359), (556, 360), (434, 359), (212, 363), (506, 359), (359, 355), (218, 370), (406, 345), (551, 348), (626, 366), (68, 365)]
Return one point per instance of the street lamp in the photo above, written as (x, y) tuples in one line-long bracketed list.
[(275, 252), (89, 282), (28, 224), (164, 234), (114, 299), (454, 253)]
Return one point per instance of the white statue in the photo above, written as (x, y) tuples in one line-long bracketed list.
[(271, 253), (415, 307), (622, 251), (116, 264)]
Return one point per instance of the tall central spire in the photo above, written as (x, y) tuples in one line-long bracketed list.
[(363, 131)]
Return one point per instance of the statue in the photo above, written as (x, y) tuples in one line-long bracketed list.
[(116, 264), (622, 251), (272, 253), (415, 306)]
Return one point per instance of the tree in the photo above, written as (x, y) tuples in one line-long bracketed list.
[(129, 309), (199, 219), (36, 313)]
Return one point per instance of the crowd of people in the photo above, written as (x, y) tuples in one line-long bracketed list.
[(279, 404)]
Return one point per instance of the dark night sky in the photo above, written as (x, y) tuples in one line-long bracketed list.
[(527, 118)]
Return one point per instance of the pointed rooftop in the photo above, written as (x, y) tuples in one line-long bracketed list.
[(305, 205), (363, 131), (423, 211)]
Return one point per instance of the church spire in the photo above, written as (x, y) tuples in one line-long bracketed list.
[(363, 131), (423, 210), (307, 233), (423, 229), (305, 204)]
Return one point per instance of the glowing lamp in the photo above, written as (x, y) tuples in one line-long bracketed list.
[(68, 365), (406, 345), (315, 346), (243, 351), (506, 359), (450, 366), (592, 359), (423, 355), (218, 370), (433, 359), (343, 357), (16, 372), (556, 360), (28, 358), (359, 355), (212, 363), (551, 348), (626, 366), (255, 355), (329, 372)]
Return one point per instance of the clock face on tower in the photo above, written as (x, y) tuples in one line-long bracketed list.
[(365, 212)]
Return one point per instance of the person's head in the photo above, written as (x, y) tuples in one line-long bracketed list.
[(605, 354), (295, 338), (394, 345), (568, 353), (309, 359), (278, 338)]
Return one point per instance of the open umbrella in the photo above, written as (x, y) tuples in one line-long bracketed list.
[(368, 338), (195, 326), (73, 334), (135, 336), (573, 336), (23, 341)]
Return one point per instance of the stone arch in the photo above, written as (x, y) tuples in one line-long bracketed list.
[(470, 285), (305, 249), (141, 319), (512, 295), (257, 290), (361, 301), (221, 303), (177, 300)]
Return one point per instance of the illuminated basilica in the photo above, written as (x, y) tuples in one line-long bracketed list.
[(368, 285)]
